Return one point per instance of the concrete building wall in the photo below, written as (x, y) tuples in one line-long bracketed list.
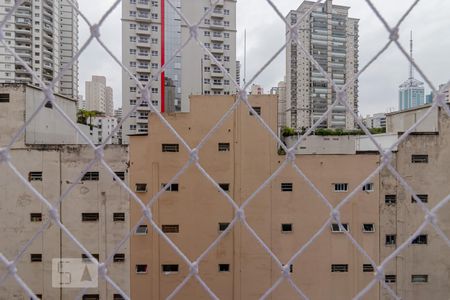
[(96, 94), (402, 121), (251, 159), (60, 165)]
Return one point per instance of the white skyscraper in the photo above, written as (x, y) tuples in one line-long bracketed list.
[(149, 41), (99, 96), (45, 35), (332, 39)]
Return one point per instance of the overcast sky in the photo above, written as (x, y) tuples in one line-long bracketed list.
[(378, 86)]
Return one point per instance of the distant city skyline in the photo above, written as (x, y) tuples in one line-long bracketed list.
[(378, 86)]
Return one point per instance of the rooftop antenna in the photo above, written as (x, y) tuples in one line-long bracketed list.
[(411, 69)]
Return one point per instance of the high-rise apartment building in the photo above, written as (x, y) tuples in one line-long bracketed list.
[(99, 97), (44, 34), (331, 37), (152, 32), (412, 91)]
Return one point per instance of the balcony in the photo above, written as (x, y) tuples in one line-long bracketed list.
[(23, 31), (219, 3), (143, 56), (217, 13), (48, 66), (144, 43), (217, 37), (217, 49), (214, 64), (217, 86), (143, 30), (23, 22), (23, 14), (143, 4), (22, 38), (218, 25), (143, 17), (142, 119), (217, 73)]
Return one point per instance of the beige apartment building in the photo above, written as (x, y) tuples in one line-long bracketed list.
[(332, 38), (99, 96), (50, 156), (240, 156)]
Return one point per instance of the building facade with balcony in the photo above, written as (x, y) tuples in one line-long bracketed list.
[(44, 34), (152, 32), (331, 37)]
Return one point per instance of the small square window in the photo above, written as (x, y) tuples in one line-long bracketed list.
[(336, 228), (90, 176), (368, 268), (224, 147), (89, 217), (421, 239), (339, 268), (391, 239), (141, 269), (170, 228), (390, 199), (422, 197), (141, 230), (368, 187), (91, 297), (225, 186), (286, 186), (35, 217), (368, 227), (257, 109), (119, 217), (118, 297), (170, 148), (419, 158), (286, 227), (36, 257), (169, 269), (419, 278), (121, 175), (141, 187), (390, 278), (85, 258), (224, 267), (35, 176), (119, 257), (223, 226), (341, 187), (4, 98)]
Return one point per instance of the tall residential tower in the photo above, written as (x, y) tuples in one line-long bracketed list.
[(150, 41), (44, 34), (331, 37)]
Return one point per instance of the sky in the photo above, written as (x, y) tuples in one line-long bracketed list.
[(378, 85)]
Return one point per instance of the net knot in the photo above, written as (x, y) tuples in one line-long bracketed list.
[(4, 155), (431, 218), (240, 214), (193, 157), (102, 270), (379, 273), (243, 95), (147, 213), (99, 153), (193, 30), (11, 266), (294, 34), (53, 213), (286, 271), (193, 269), (290, 155), (336, 215), (394, 34), (95, 31)]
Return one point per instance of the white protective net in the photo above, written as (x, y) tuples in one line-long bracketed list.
[(242, 99)]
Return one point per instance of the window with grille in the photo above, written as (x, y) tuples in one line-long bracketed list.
[(419, 158), (85, 258), (141, 187), (287, 227), (419, 278), (223, 226), (4, 98), (224, 147), (368, 227), (91, 297), (391, 239), (422, 197), (171, 188), (141, 230), (119, 257), (390, 278), (121, 175), (225, 186), (90, 176), (167, 269), (224, 267), (35, 217), (173, 228), (368, 268), (119, 217), (35, 176), (335, 227), (89, 217), (141, 269), (36, 257), (421, 239), (257, 109), (170, 148), (286, 187), (339, 268), (341, 187), (390, 199), (118, 297)]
